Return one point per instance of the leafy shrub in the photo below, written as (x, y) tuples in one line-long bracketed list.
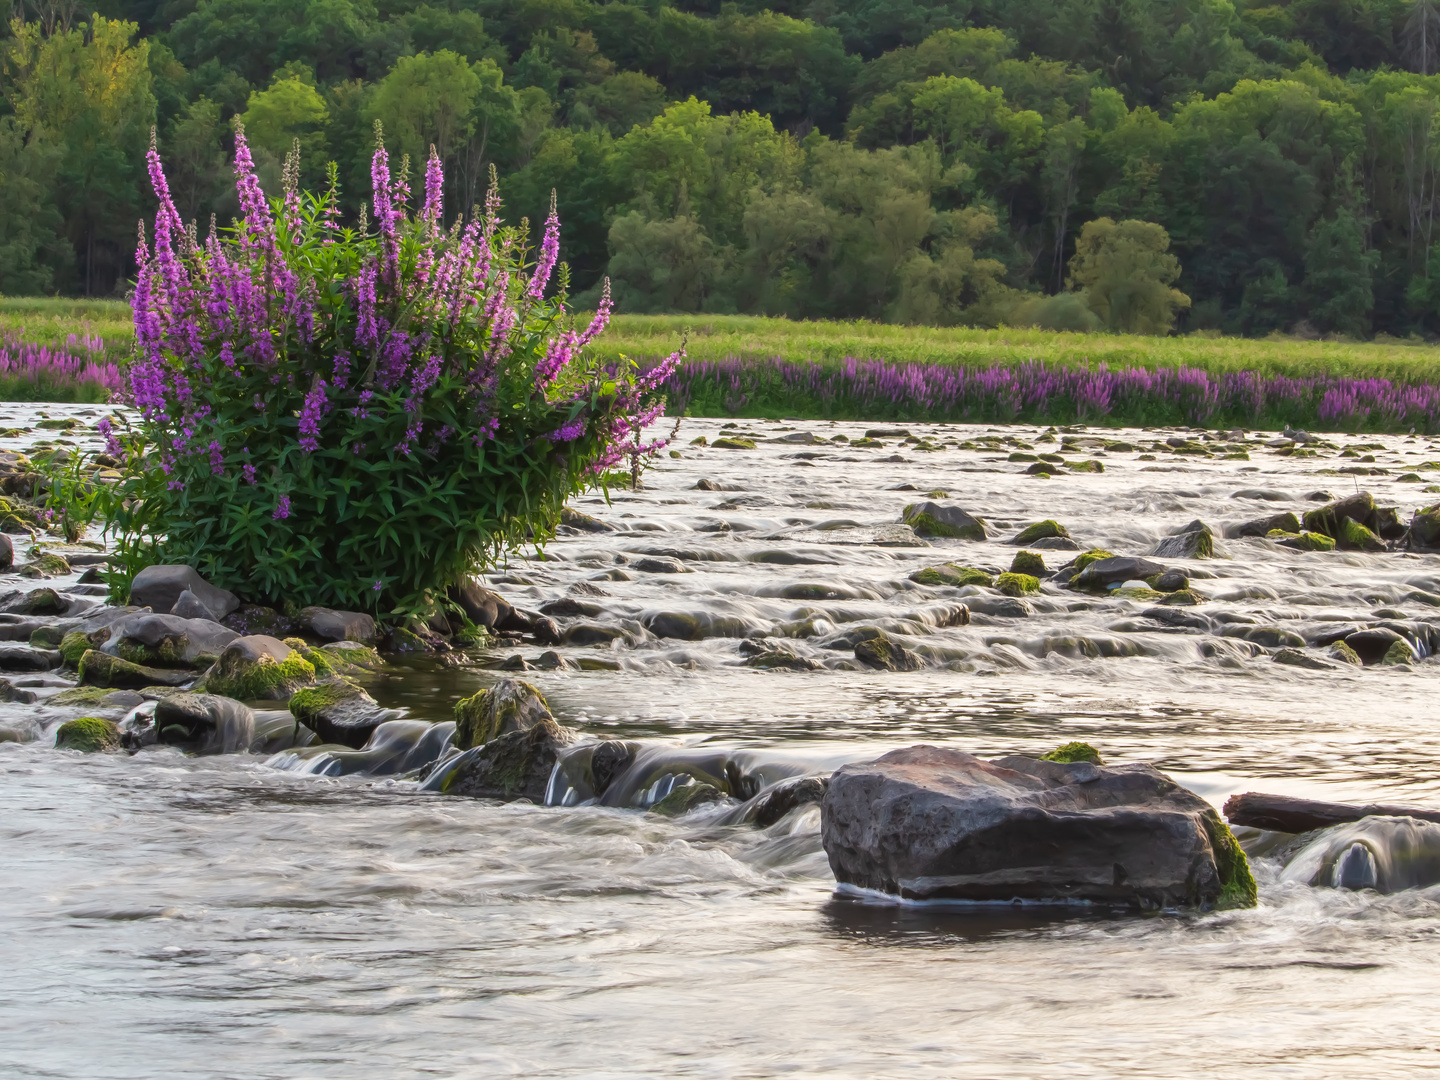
[(357, 417)]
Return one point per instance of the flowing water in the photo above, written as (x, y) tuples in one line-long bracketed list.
[(312, 915)]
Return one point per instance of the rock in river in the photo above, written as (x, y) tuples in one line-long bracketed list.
[(931, 823), (938, 520), (159, 588)]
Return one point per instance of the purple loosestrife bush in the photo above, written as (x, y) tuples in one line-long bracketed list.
[(358, 417)]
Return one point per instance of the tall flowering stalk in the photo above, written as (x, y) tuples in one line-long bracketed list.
[(359, 417)]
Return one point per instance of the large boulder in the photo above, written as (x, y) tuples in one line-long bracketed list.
[(340, 712), (166, 641), (204, 723), (329, 625), (259, 668), (939, 520), (89, 734), (509, 705), (1102, 573), (159, 589), (98, 668), (932, 823)]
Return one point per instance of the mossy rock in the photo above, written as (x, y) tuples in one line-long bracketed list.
[(351, 657), (880, 652), (1041, 530), (1091, 466), (1013, 584), (952, 575), (309, 701), (930, 519), (1343, 653), (700, 440), (1028, 562), (1237, 455), (1357, 537), (867, 443), (1237, 883), (682, 800), (1020, 456), (324, 669), (733, 442), (1301, 541), (73, 646), (509, 705), (47, 637), (84, 696), (260, 678), (937, 494), (1085, 558), (1072, 752), (1399, 652), (406, 641), (88, 733), (101, 669), (45, 564)]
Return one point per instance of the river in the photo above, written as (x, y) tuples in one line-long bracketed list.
[(243, 916)]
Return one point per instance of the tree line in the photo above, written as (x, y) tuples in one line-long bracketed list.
[(1245, 168)]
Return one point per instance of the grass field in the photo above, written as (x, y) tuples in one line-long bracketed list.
[(747, 366), (749, 337)]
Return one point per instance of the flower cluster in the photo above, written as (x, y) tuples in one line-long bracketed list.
[(325, 408), (877, 389)]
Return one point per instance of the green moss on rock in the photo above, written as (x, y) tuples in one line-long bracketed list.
[(1182, 598), (1074, 751), (1027, 562), (307, 702), (1399, 652), (262, 679), (80, 695), (101, 669), (1237, 883), (1041, 530), (1017, 584), (88, 733), (733, 442), (1357, 537), (45, 564), (1085, 558), (684, 799), (952, 575)]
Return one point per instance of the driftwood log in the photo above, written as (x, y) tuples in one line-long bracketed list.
[(1284, 814)]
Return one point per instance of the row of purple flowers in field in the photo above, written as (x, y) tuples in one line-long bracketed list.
[(878, 389), (41, 366)]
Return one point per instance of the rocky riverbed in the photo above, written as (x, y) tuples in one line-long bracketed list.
[(769, 606)]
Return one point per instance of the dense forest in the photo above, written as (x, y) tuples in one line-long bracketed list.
[(927, 161)]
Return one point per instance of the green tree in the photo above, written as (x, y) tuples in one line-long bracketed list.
[(1128, 274), (199, 171), (290, 110), (88, 92), (662, 265), (1339, 276), (619, 102), (32, 252)]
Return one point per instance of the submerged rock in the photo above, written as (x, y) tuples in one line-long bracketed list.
[(951, 574), (930, 823), (879, 651), (780, 799), (204, 723), (515, 765), (1328, 519), (1386, 854), (932, 519)]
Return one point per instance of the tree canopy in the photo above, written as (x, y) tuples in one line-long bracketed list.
[(1080, 163)]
